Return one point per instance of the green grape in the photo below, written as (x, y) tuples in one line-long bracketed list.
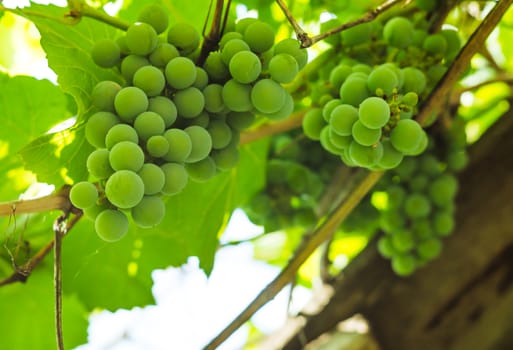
[(184, 37), (365, 156), (149, 212), (443, 223), (406, 136), (283, 68), (374, 113), (362, 68), (392, 221), (216, 69), (407, 168), (422, 146), (435, 44), (329, 107), (410, 98), (404, 264), (121, 41), (126, 155), (429, 248), (453, 42), (243, 23), (227, 37), (157, 146), (111, 225), (201, 120), (395, 197), (339, 141), (391, 157), (426, 5), (149, 79), (414, 80), (176, 178), (313, 123), (189, 102), (386, 248), (201, 143), (163, 53), (131, 64), (382, 78), (293, 48), (213, 94), (201, 171), (180, 72), (120, 132), (106, 53), (240, 120), (124, 189), (201, 81), (267, 96), (148, 124), (259, 36), (443, 189), (436, 72), (285, 111), (180, 145), (403, 241), (141, 38), (130, 102), (226, 158), (339, 74), (103, 94), (220, 133), (164, 107), (98, 164), (422, 229), (357, 35), (365, 136), (398, 32), (97, 127), (154, 15), (354, 91), (457, 160), (417, 206), (152, 177), (230, 48), (237, 96), (342, 119), (83, 195), (92, 212), (245, 67)]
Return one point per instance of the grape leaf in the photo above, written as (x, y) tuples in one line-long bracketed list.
[(27, 320)]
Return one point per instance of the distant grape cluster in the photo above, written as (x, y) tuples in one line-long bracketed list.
[(174, 120), (420, 206)]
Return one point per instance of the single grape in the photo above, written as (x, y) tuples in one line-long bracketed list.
[(201, 143), (131, 64), (226, 158), (410, 98), (148, 124), (176, 178), (245, 67), (267, 96), (243, 23), (453, 43), (395, 197), (92, 212), (237, 96), (201, 81), (339, 74), (120, 132), (103, 94), (124, 189), (126, 155), (220, 133), (149, 212), (217, 71), (232, 47), (213, 94), (240, 120), (398, 32), (417, 206), (342, 119), (180, 72), (457, 160), (283, 68), (149, 79), (203, 119), (414, 80), (329, 107), (157, 146), (83, 195), (155, 15), (385, 247), (365, 156), (419, 182), (407, 168), (111, 225), (98, 164), (382, 78), (180, 145), (227, 37), (141, 38), (285, 111), (354, 91), (435, 44), (106, 53), (374, 113), (404, 264), (406, 136), (313, 123), (184, 37), (189, 102), (339, 141), (164, 107), (130, 102), (391, 157), (429, 249), (422, 229), (403, 241), (152, 177), (443, 223), (259, 36), (202, 170), (293, 48), (365, 136), (97, 127), (163, 53), (443, 189), (392, 221)]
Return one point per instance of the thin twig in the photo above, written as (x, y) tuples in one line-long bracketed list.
[(300, 33), (79, 9), (55, 201), (307, 247), (210, 41), (59, 229), (293, 122)]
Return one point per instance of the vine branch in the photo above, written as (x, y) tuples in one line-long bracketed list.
[(55, 201)]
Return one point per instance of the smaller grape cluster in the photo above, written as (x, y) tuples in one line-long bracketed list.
[(175, 120), (420, 207), (370, 123)]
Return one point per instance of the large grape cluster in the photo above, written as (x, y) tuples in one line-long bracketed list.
[(174, 120), (420, 206)]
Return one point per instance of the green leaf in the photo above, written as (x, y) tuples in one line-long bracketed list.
[(27, 320)]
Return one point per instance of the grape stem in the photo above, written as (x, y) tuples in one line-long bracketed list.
[(307, 41), (211, 40), (55, 201), (307, 247), (79, 9)]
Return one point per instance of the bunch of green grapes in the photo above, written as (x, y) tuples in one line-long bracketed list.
[(420, 206), (174, 120), (298, 171)]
